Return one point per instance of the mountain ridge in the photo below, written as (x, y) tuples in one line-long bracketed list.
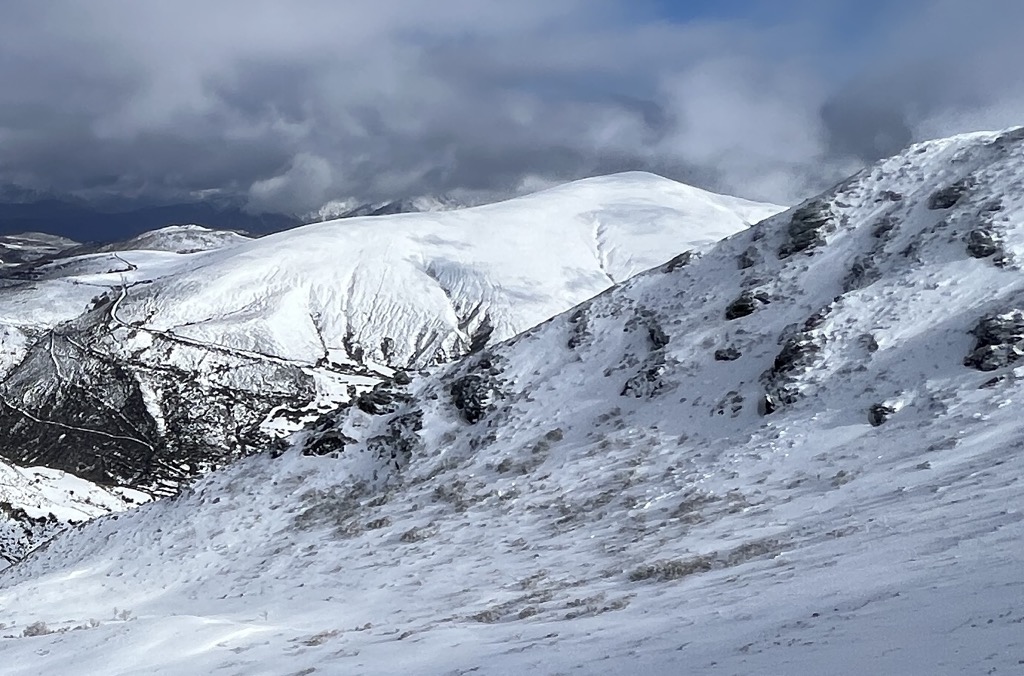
[(154, 361)]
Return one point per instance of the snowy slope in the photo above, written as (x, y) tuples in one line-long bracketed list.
[(180, 239), (38, 502), (61, 280), (35, 299), (188, 360), (30, 246), (797, 454), (413, 289)]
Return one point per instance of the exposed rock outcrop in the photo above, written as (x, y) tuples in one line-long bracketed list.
[(999, 341)]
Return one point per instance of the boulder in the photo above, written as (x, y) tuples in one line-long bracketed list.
[(657, 336), (999, 341), (679, 261), (647, 382), (727, 354), (879, 413), (798, 354), (982, 243), (745, 305), (749, 258), (948, 197), (767, 405), (472, 394), (376, 402), (325, 443), (807, 228)]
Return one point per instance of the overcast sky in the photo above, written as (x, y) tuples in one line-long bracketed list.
[(285, 105)]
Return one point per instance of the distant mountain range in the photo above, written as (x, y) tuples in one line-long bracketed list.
[(83, 221)]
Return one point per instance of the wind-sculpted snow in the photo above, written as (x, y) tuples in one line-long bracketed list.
[(826, 483)]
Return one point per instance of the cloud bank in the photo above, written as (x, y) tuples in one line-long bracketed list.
[(283, 106)]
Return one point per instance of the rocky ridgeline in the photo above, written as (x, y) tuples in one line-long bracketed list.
[(801, 310)]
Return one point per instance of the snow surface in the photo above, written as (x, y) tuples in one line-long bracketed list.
[(621, 505), (414, 289)]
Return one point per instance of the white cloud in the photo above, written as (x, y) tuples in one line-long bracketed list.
[(306, 181)]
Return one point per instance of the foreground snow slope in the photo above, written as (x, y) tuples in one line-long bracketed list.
[(797, 454)]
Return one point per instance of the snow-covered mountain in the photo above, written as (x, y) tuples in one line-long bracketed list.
[(416, 289), (149, 362), (181, 239), (799, 453), (31, 246)]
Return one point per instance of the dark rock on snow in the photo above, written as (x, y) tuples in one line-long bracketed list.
[(999, 341), (727, 354), (982, 243), (879, 413), (807, 228), (743, 306), (948, 197)]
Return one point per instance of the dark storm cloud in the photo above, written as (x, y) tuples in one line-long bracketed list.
[(946, 68), (288, 105)]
